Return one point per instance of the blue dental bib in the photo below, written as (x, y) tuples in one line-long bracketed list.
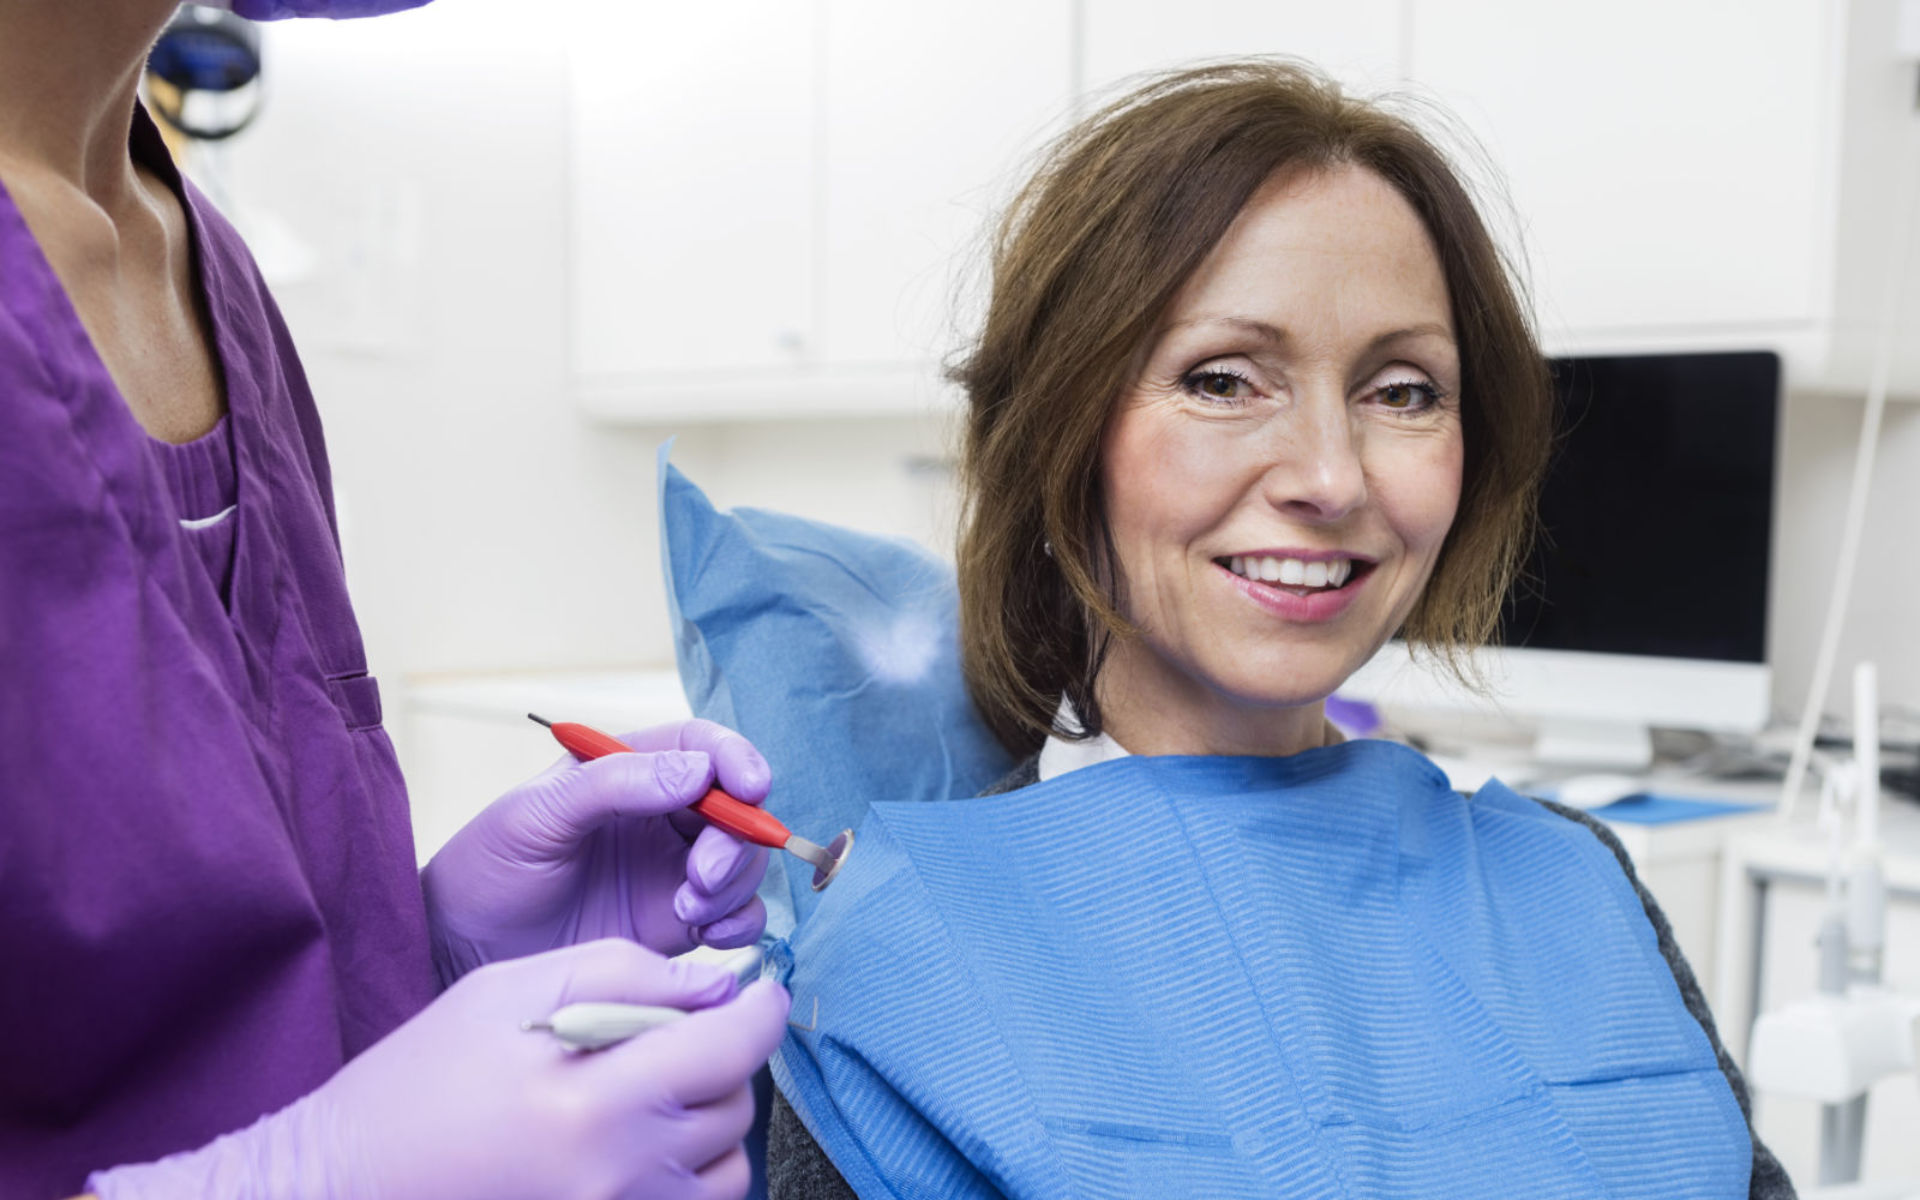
[(1319, 976)]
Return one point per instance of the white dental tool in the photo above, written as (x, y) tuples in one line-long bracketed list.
[(595, 1025)]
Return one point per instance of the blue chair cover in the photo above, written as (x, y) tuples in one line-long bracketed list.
[(835, 651)]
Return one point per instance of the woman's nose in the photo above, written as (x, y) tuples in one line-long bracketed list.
[(1318, 474)]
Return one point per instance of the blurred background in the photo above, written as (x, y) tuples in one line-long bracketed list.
[(520, 246)]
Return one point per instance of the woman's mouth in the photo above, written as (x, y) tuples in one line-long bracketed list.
[(1299, 577)]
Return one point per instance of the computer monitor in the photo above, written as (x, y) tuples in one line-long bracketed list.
[(1645, 602)]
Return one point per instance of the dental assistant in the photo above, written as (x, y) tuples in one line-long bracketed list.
[(220, 974)]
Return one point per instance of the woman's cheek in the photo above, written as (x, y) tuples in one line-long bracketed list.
[(1424, 494)]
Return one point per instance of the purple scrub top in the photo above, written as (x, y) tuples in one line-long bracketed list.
[(208, 898)]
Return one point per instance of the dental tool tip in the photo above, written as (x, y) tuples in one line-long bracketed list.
[(826, 860), (536, 1026), (536, 717), (813, 852)]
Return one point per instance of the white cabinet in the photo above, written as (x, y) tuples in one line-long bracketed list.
[(1669, 162), (776, 203), (773, 200), (930, 111), (1359, 42), (1667, 170), (691, 157), (1694, 174)]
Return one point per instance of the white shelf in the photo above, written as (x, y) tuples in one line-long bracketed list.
[(776, 394), (628, 699)]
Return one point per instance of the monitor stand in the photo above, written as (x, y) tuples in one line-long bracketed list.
[(1619, 745)]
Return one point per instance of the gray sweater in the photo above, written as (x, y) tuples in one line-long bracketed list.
[(797, 1169)]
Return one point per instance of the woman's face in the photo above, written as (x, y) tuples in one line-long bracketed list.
[(1280, 477)]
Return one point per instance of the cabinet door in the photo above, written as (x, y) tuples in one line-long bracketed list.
[(1358, 42), (929, 111), (692, 179), (1666, 158)]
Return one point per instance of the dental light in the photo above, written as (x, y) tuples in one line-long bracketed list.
[(204, 73)]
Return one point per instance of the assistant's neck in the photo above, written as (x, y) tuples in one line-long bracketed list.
[(69, 77)]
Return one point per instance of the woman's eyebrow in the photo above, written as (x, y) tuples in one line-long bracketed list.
[(1260, 329), (1430, 329), (1277, 336)]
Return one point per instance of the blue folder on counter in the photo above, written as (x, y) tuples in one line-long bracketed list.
[(1654, 808)]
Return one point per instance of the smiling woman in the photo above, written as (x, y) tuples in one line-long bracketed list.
[(1254, 394), (1241, 286)]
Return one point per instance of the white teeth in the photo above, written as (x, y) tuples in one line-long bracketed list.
[(1292, 572)]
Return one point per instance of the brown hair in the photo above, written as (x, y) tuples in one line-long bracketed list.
[(1092, 251)]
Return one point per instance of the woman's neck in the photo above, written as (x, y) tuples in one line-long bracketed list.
[(69, 75), (1150, 713)]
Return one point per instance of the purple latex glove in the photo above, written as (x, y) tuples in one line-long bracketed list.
[(605, 849), (461, 1104)]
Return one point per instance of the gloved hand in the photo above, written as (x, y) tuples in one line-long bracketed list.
[(461, 1104), (604, 849)]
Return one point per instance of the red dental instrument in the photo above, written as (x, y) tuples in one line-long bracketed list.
[(744, 821)]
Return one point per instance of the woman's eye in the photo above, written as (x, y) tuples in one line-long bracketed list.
[(1217, 385), (1408, 395)]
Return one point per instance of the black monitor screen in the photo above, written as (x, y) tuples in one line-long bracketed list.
[(1657, 512)]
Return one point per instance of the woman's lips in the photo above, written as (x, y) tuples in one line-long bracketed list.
[(1301, 603)]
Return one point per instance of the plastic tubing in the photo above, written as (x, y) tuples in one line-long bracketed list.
[(1842, 593)]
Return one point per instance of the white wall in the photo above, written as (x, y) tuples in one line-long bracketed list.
[(1819, 434), (422, 158)]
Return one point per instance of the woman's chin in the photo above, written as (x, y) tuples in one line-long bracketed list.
[(1264, 684)]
